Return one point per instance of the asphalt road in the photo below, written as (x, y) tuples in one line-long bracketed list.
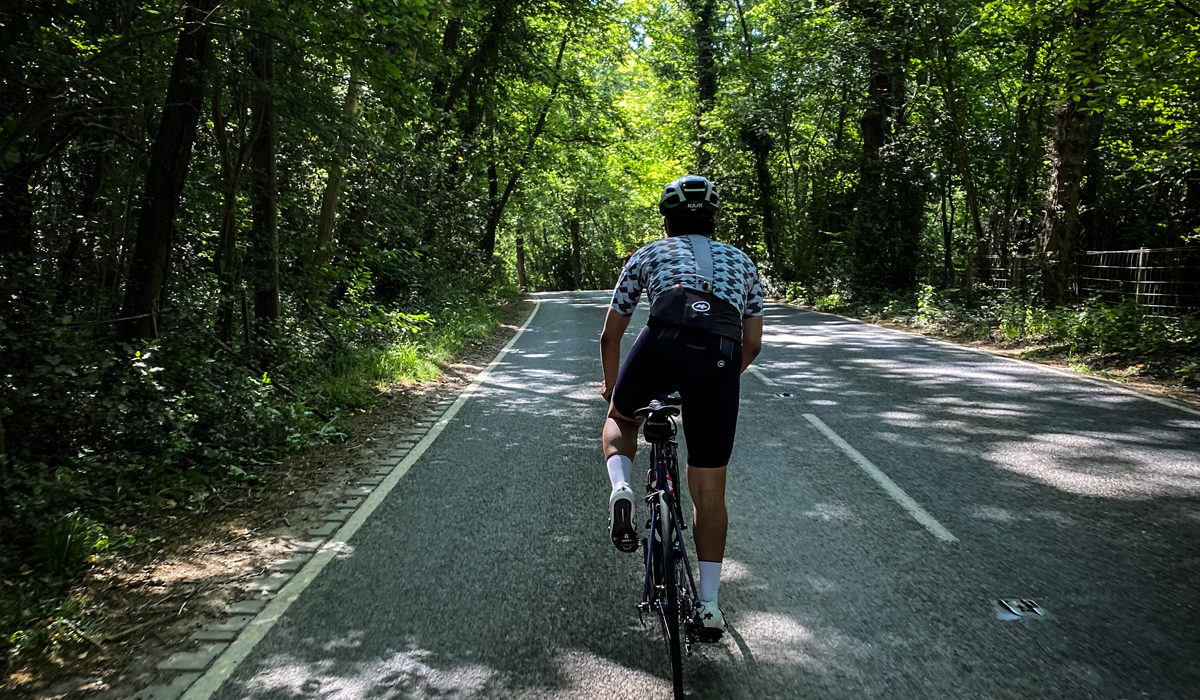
[(487, 572)]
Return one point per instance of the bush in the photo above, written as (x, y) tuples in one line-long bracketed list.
[(68, 543), (1092, 326), (830, 302), (797, 293)]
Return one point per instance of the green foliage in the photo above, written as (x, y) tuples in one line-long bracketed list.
[(830, 302), (1090, 327), (35, 624), (66, 544), (798, 293)]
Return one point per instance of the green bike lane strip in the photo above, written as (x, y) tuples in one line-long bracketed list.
[(486, 571)]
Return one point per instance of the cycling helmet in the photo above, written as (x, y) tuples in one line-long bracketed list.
[(689, 197)]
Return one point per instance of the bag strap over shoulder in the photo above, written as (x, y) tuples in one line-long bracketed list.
[(701, 248)]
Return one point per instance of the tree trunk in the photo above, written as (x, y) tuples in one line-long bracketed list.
[(576, 268), (760, 148), (16, 209), (870, 218), (329, 199), (1075, 130), (1077, 127), (522, 280), (962, 155), (481, 59), (449, 48), (167, 173), (1191, 203), (947, 240), (706, 77), (488, 244), (888, 218), (1018, 171), (264, 230), (89, 211), (225, 260)]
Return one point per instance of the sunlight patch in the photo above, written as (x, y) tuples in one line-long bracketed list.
[(827, 512), (1089, 466), (996, 514), (586, 675), (776, 639), (404, 674), (734, 570)]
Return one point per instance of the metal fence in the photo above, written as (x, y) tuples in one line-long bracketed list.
[(1164, 281)]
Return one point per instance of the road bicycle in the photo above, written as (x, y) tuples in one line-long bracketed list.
[(669, 588)]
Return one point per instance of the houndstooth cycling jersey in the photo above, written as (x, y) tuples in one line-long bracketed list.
[(667, 262)]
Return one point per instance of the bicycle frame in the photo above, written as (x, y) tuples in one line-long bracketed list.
[(665, 470)]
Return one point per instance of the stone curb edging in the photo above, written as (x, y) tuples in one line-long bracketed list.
[(214, 638)]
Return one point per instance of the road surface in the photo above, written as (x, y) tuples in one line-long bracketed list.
[(886, 492)]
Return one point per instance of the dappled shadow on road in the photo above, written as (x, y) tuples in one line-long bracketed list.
[(1025, 420), (486, 574)]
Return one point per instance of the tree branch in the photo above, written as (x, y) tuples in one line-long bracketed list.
[(1186, 9), (124, 137)]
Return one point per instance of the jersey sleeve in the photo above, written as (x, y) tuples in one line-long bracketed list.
[(754, 300), (629, 288)]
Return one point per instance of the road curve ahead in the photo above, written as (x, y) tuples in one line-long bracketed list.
[(886, 493)]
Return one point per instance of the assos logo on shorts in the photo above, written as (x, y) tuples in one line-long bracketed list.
[(701, 306)]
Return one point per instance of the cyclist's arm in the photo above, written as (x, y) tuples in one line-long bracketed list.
[(751, 339), (610, 349)]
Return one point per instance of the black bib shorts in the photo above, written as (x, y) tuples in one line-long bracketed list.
[(706, 371)]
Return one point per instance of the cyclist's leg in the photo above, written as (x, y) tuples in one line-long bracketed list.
[(710, 425), (619, 436), (636, 385), (710, 519), (644, 375)]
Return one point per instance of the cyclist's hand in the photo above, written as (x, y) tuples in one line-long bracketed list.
[(605, 391)]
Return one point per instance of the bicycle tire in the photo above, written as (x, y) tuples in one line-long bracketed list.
[(669, 606)]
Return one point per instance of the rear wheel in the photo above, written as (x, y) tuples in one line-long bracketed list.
[(668, 604)]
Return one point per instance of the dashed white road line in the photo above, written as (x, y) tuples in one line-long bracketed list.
[(914, 509), (232, 657), (766, 380)]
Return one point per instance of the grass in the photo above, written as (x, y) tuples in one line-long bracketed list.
[(355, 374)]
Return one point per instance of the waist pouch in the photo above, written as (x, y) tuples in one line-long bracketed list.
[(681, 307)]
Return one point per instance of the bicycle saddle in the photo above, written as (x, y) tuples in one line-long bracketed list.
[(668, 406)]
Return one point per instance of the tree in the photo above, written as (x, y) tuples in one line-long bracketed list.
[(1077, 124), (167, 173)]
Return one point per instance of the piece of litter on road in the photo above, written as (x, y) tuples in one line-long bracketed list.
[(1018, 609)]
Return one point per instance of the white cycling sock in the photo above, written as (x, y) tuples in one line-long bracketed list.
[(710, 578), (618, 469)]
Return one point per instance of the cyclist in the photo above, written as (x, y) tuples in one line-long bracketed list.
[(705, 329)]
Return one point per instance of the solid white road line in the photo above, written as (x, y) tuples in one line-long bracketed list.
[(241, 647), (766, 380), (914, 509)]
